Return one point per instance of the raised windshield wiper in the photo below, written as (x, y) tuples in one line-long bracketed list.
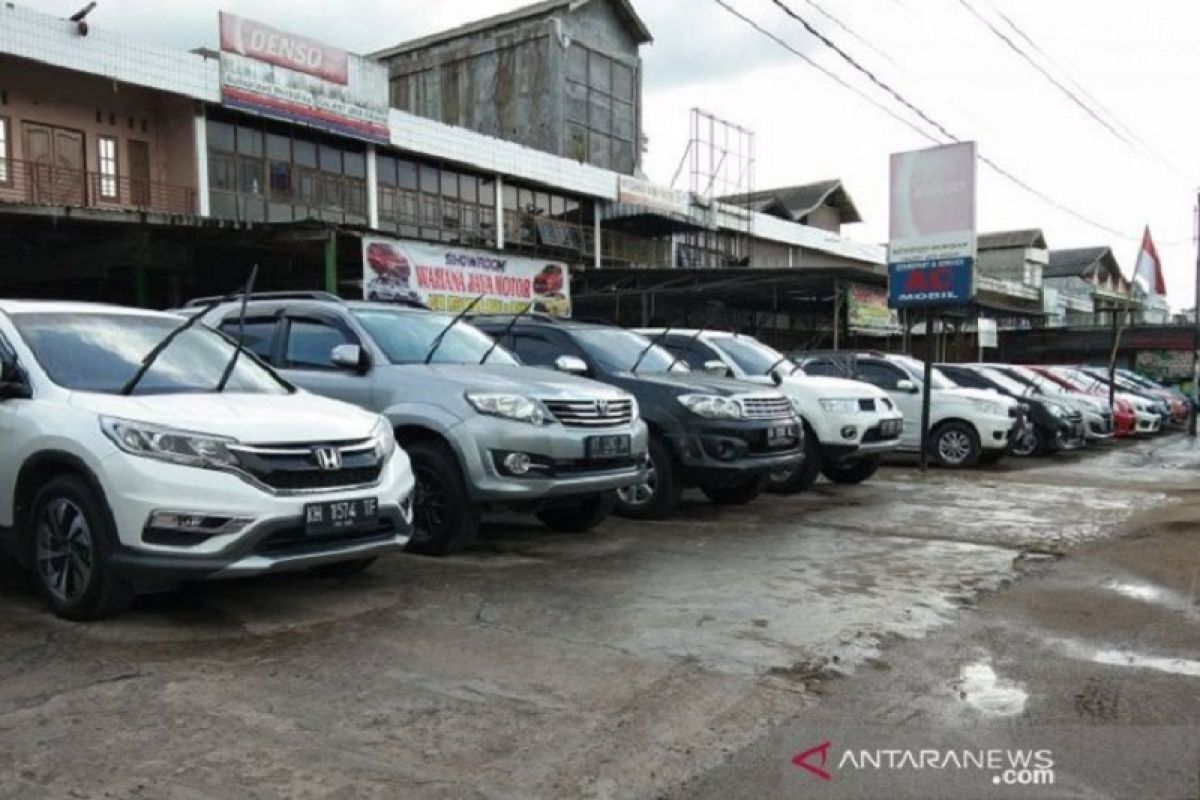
[(782, 360), (153, 355), (507, 330), (437, 340), (241, 340), (690, 339), (638, 361)]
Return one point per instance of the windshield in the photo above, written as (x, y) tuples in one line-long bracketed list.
[(101, 352), (916, 371), (1005, 382), (752, 356), (1035, 379), (618, 350), (405, 338)]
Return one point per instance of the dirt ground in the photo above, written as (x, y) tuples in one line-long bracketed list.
[(691, 658)]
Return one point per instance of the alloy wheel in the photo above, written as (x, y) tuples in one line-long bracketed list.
[(641, 493), (64, 549), (954, 447)]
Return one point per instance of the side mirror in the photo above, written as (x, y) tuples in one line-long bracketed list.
[(906, 386), (716, 368), (572, 365), (13, 384), (351, 357)]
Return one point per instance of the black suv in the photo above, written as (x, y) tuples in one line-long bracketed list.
[(721, 435)]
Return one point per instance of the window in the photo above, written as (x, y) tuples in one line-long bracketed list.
[(601, 110), (259, 336), (5, 176), (538, 351), (310, 345), (108, 167), (884, 376)]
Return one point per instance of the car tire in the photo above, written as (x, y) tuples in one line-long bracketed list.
[(342, 569), (802, 476), (853, 472), (1030, 443), (657, 496), (738, 494), (444, 518), (71, 538), (578, 516), (955, 445)]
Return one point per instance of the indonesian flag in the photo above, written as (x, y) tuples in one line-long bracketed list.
[(1148, 273)]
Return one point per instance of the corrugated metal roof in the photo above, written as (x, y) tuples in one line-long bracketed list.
[(799, 201), (1082, 262), (999, 240), (624, 8)]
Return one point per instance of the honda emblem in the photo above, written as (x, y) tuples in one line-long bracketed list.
[(328, 458), (602, 408)]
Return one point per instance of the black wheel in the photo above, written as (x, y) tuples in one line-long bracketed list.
[(71, 538), (1029, 443), (736, 495), (580, 515), (799, 477), (955, 445), (444, 519), (852, 472), (342, 569), (657, 494)]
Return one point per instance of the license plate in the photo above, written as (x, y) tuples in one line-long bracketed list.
[(608, 446), (340, 515), (781, 436)]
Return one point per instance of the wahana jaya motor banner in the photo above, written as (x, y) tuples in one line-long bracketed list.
[(447, 278)]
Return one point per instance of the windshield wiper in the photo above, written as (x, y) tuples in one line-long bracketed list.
[(241, 340), (690, 339), (638, 361), (782, 360), (507, 330), (437, 340), (153, 355)]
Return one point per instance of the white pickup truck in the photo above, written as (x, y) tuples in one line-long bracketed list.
[(848, 424), (965, 425)]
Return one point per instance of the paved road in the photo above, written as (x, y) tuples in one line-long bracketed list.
[(689, 658)]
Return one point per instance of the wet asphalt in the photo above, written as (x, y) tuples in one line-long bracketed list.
[(1046, 606)]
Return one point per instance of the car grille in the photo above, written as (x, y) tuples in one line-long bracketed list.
[(591, 413), (766, 407), (295, 467)]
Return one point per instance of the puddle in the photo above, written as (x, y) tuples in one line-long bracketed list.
[(1154, 595), (1125, 658), (984, 690)]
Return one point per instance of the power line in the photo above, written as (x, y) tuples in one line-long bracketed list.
[(849, 59), (836, 21)]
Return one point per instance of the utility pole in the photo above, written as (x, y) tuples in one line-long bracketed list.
[(1196, 335)]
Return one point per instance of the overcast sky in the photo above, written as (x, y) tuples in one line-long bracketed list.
[(1140, 61)]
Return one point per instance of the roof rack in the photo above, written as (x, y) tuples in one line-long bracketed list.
[(325, 297)]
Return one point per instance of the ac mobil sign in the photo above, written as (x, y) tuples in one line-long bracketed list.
[(932, 242)]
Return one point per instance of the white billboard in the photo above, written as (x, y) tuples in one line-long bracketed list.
[(932, 210), (447, 278)]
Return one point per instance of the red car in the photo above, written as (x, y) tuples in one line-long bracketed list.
[(549, 281), (388, 262), (1124, 421)]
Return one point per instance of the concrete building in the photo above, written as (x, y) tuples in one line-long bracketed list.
[(1090, 286)]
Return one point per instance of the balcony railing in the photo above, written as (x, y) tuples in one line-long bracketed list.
[(46, 184)]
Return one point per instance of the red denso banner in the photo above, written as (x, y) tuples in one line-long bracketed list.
[(262, 42), (447, 278)]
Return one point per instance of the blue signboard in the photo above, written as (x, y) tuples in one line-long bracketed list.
[(940, 282)]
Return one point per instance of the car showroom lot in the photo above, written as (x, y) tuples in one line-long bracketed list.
[(624, 662)]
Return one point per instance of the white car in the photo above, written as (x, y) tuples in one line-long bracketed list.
[(138, 452), (1097, 413), (965, 425), (848, 424), (1147, 418)]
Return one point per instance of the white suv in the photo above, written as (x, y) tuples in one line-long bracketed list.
[(848, 424), (965, 425), (140, 449)]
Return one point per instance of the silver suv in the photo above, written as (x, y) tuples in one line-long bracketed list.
[(482, 431)]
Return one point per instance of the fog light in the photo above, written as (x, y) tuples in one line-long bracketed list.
[(201, 524), (849, 432), (518, 463)]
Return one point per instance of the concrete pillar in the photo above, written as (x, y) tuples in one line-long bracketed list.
[(372, 189), (596, 261), (499, 212), (200, 135), (331, 263)]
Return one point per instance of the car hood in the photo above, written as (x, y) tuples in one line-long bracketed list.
[(249, 418), (698, 382), (832, 387), (545, 384)]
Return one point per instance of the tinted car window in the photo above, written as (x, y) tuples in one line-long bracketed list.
[(885, 376), (538, 350), (825, 369), (311, 343), (619, 349), (259, 336), (694, 354), (407, 338)]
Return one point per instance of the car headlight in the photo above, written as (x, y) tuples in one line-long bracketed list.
[(384, 439), (988, 407), (635, 411), (839, 405), (711, 406), (168, 444), (509, 406)]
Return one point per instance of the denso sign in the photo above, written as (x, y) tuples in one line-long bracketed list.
[(279, 48)]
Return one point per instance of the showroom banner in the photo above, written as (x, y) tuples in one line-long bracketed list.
[(276, 74), (447, 278), (867, 311)]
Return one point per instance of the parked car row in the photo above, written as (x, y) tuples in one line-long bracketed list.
[(297, 430)]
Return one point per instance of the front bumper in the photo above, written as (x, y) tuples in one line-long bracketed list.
[(1147, 422), (713, 452), (1071, 435), (1098, 426), (558, 453), (870, 441), (271, 535), (997, 433)]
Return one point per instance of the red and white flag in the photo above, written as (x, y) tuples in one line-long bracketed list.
[(1148, 275)]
